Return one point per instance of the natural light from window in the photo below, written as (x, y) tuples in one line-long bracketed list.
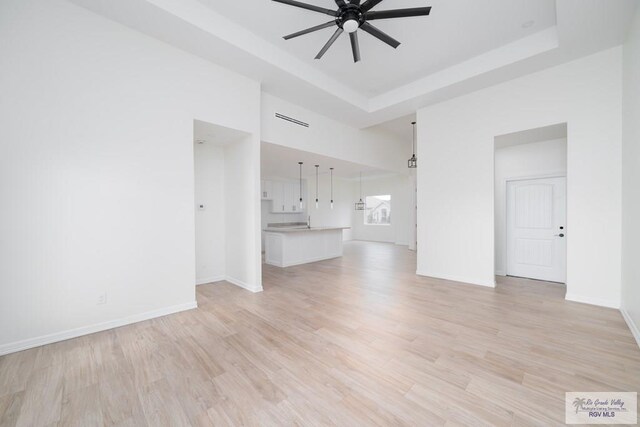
[(378, 210)]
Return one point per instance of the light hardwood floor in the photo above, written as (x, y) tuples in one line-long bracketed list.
[(354, 341)]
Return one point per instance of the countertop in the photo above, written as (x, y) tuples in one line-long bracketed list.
[(301, 229)]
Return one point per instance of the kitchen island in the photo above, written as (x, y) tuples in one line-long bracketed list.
[(287, 246)]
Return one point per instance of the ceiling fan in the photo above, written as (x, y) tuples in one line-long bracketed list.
[(352, 16)]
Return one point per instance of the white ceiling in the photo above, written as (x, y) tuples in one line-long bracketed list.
[(463, 46), (277, 161), (455, 31), (400, 127)]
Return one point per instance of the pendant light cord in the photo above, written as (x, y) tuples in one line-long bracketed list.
[(331, 171), (300, 163), (414, 138), (317, 166)]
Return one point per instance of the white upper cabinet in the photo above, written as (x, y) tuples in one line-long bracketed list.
[(266, 189), (288, 197), (277, 196), (285, 195), (296, 198)]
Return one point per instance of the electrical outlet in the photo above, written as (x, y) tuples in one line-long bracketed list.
[(102, 299)]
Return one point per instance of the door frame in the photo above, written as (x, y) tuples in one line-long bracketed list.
[(505, 183)]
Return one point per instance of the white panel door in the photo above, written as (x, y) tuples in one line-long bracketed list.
[(536, 229)]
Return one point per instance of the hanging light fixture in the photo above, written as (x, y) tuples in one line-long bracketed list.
[(360, 205), (317, 166), (301, 205), (331, 172), (413, 161)]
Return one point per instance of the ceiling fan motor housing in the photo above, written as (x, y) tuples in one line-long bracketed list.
[(348, 13)]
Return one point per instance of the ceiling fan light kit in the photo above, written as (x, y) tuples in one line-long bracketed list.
[(351, 17)]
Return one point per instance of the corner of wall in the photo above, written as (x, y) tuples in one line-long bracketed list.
[(459, 279), (592, 301), (251, 288)]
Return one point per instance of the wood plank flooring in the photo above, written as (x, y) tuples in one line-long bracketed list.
[(354, 341)]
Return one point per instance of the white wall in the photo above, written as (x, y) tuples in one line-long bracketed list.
[(242, 214), (456, 175), (324, 216), (528, 160), (330, 138), (631, 179), (398, 186), (97, 171), (210, 222)]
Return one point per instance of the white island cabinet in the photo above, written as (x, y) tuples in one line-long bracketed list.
[(285, 247)]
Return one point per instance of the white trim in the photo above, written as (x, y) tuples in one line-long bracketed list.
[(501, 273), (632, 326), (236, 282), (91, 329), (243, 285), (211, 279), (464, 280), (593, 301), (554, 174)]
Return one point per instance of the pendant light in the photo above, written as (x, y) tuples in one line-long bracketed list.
[(331, 172), (317, 166), (413, 161), (301, 206), (360, 205)]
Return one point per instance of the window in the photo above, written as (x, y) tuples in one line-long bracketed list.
[(378, 210)]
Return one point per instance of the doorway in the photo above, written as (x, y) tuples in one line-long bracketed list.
[(536, 228), (226, 214), (530, 197)]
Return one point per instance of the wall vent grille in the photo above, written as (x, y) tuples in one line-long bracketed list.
[(291, 120)]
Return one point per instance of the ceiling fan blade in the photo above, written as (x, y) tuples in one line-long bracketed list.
[(356, 2), (398, 13), (310, 30), (326, 47), (355, 46), (307, 6), (380, 35), (341, 3), (369, 4)]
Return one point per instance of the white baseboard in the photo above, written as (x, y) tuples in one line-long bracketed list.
[(231, 280), (593, 301), (466, 280), (91, 329), (501, 273), (211, 279), (243, 285), (635, 331)]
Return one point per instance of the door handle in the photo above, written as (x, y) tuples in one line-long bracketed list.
[(559, 235)]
